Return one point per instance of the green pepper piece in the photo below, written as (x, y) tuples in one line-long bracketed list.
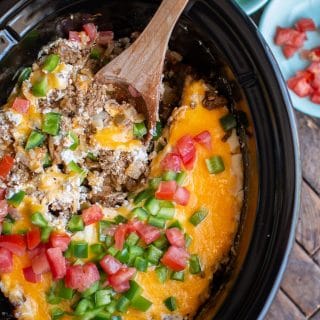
[(123, 255), (215, 165), (157, 222), (154, 254), (79, 249), (56, 313), (181, 177), (134, 291), (143, 195), (132, 239), (40, 87), (64, 292), (51, 62), (171, 303), (141, 303), (198, 216), (154, 182), (45, 234), (162, 273), (141, 264), (95, 53), (157, 131), (103, 315), (161, 242), (94, 287), (75, 141), (51, 123), (167, 210), (35, 139), (75, 224), (24, 75), (39, 220), (97, 248), (120, 219), (169, 175), (152, 205), (47, 161), (228, 122), (194, 264), (178, 276), (140, 213), (102, 297), (188, 240), (16, 199), (82, 306), (123, 304), (7, 227), (139, 130)]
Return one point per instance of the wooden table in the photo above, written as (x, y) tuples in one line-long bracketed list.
[(299, 295)]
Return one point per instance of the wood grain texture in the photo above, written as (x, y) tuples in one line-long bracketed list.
[(302, 281), (309, 133), (316, 316), (316, 257), (308, 230), (284, 309)]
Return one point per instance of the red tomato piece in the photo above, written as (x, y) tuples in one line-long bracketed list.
[(14, 242), (305, 24), (33, 238), (186, 149), (300, 86), (110, 265), (316, 82), (120, 236), (121, 277), (92, 214), (74, 36), (30, 276), (190, 164), (314, 67), (21, 105), (176, 237), (204, 138), (90, 276), (91, 30), (289, 51), (289, 36), (59, 240), (3, 209), (57, 263), (147, 233), (105, 37), (74, 275), (122, 287), (6, 164), (2, 193), (41, 248), (166, 190), (312, 55), (6, 261), (181, 196), (40, 264), (171, 162), (315, 98), (175, 258)]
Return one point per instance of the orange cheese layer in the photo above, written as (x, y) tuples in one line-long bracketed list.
[(213, 238)]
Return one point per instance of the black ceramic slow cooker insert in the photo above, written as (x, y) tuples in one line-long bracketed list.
[(211, 34)]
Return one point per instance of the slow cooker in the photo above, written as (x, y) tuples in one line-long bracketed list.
[(211, 35)]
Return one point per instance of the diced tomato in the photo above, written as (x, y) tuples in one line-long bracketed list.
[(122, 287), (175, 237), (147, 233), (314, 67), (166, 190), (30, 276), (3, 209), (171, 162), (6, 261), (289, 36), (81, 277), (105, 37), (300, 86), (74, 275), (121, 277), (21, 105), (175, 258), (308, 75), (2, 193), (41, 248), (6, 164), (14, 242), (186, 149), (305, 24), (190, 164), (110, 265), (120, 236), (33, 238), (59, 240), (204, 138), (74, 36), (92, 214), (315, 98), (57, 263), (312, 55), (316, 82), (289, 51), (91, 30), (40, 264), (181, 196)]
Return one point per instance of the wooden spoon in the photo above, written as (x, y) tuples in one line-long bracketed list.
[(137, 71)]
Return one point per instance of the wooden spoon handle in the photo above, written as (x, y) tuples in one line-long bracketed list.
[(142, 63)]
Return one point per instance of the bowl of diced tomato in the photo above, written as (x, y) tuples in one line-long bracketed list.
[(292, 30)]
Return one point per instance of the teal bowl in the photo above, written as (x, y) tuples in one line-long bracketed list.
[(251, 6)]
